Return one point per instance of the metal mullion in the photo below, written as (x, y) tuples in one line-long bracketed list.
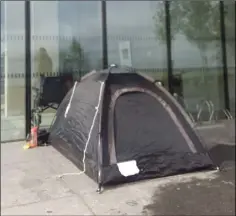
[(168, 47), (27, 68), (224, 55), (104, 34)]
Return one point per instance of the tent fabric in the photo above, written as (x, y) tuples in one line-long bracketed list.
[(121, 117)]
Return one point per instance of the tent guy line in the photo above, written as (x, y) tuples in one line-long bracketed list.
[(90, 131)]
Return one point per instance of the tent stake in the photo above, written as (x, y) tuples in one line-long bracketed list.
[(99, 190)]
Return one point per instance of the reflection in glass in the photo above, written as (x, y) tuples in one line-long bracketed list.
[(66, 38), (133, 39), (196, 55), (12, 70), (80, 36)]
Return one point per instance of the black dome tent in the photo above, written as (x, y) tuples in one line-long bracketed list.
[(119, 126)]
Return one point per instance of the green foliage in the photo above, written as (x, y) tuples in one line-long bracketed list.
[(160, 24), (75, 50), (74, 58), (76, 53), (194, 19), (199, 21)]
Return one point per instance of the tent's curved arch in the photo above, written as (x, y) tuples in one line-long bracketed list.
[(167, 93), (123, 91), (175, 102)]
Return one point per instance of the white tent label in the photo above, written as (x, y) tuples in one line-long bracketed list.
[(128, 168)]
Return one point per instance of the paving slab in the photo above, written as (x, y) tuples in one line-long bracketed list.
[(125, 199), (13, 153), (30, 186), (25, 182), (30, 178), (71, 205)]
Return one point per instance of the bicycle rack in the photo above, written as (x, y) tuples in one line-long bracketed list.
[(212, 110), (227, 114), (210, 107)]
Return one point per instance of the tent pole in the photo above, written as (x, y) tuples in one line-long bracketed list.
[(99, 190)]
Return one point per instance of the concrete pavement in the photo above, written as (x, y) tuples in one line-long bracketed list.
[(30, 186), (213, 196)]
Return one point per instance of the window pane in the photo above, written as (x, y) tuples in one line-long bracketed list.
[(196, 55), (230, 46), (12, 70), (66, 38), (135, 39)]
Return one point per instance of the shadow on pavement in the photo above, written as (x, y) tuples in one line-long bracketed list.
[(200, 197), (197, 197)]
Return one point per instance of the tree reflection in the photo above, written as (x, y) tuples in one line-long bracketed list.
[(198, 21), (74, 59)]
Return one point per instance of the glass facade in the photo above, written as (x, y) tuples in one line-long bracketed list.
[(188, 45), (64, 42), (12, 70), (197, 54), (133, 39)]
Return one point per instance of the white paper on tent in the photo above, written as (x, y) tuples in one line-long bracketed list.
[(128, 168)]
